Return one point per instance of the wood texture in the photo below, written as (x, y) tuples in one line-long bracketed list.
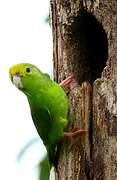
[(85, 43)]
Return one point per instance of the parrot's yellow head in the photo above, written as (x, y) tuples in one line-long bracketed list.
[(23, 75), (28, 77)]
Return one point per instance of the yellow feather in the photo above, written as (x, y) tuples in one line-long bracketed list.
[(17, 70)]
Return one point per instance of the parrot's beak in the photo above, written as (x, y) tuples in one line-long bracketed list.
[(17, 81)]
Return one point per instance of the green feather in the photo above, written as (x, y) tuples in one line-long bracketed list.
[(48, 103), (44, 169)]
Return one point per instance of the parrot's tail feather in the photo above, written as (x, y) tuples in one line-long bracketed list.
[(44, 169), (51, 154)]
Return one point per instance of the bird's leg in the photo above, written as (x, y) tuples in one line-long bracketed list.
[(66, 82), (75, 132), (85, 112)]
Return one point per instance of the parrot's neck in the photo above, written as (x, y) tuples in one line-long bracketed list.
[(33, 86)]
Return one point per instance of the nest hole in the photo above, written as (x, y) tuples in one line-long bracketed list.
[(88, 44)]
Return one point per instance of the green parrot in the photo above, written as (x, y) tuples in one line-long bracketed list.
[(48, 104)]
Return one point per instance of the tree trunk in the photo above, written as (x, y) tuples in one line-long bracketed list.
[(85, 43)]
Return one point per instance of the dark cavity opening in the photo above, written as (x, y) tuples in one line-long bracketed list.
[(88, 44)]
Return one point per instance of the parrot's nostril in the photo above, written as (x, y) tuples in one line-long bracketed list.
[(17, 72)]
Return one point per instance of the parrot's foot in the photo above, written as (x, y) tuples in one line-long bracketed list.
[(75, 133), (65, 83)]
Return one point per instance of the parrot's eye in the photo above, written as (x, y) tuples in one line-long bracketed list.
[(28, 70)]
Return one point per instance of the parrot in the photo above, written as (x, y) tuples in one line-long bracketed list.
[(48, 105)]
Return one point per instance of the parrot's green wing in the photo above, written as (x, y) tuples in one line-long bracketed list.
[(48, 124), (42, 121), (41, 115), (43, 128)]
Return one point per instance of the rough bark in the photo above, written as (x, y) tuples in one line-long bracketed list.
[(85, 43)]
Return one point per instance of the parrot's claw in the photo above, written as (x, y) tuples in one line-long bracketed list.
[(65, 83), (75, 133)]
